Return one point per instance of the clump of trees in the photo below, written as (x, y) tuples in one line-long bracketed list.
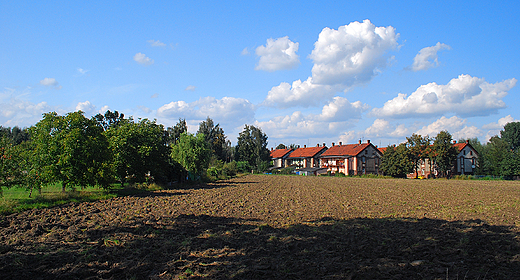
[(499, 157), (77, 151)]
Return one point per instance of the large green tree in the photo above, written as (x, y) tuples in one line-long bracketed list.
[(496, 151), (192, 153), (71, 149), (511, 134), (216, 139), (252, 147), (418, 147), (139, 149), (396, 161), (444, 151), (175, 132)]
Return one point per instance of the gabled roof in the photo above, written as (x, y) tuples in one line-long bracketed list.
[(346, 150), (461, 146), (307, 152), (279, 153), (382, 150)]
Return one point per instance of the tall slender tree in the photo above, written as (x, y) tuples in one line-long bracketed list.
[(444, 151), (252, 147)]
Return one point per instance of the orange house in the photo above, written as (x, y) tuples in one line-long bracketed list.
[(352, 159)]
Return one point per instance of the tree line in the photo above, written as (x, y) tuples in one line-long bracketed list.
[(108, 148), (499, 157)]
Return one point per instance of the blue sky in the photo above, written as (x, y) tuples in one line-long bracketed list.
[(306, 72)]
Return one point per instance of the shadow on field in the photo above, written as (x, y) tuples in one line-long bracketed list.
[(194, 247)]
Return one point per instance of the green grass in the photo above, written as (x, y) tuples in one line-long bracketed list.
[(17, 199)]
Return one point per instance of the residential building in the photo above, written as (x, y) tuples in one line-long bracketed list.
[(279, 157), (306, 157), (352, 159)]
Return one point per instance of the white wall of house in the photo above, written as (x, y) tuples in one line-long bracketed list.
[(466, 161)]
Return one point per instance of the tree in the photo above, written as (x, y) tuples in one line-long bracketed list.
[(193, 153), (417, 146), (110, 119), (496, 151), (175, 132), (511, 134), (139, 149), (216, 139), (396, 161), (71, 149), (252, 147), (444, 151), (510, 165), (281, 146)]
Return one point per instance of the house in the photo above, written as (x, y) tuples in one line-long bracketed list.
[(352, 159), (465, 164), (466, 159), (306, 157), (279, 157)]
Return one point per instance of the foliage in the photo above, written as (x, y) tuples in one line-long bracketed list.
[(510, 165), (16, 135), (71, 149), (511, 134), (444, 151), (192, 152), (496, 151), (139, 150), (417, 146), (252, 147), (216, 139), (396, 161), (109, 119), (243, 167), (175, 132), (281, 146)]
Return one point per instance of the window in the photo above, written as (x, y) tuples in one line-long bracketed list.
[(470, 153)]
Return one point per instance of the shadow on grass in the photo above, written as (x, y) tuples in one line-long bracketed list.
[(196, 247)]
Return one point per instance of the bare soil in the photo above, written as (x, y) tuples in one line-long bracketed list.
[(276, 227)]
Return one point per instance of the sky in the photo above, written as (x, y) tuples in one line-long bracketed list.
[(305, 72)]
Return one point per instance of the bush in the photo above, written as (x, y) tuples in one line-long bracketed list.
[(243, 167)]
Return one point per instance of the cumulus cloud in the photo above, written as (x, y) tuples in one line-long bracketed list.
[(427, 57), (245, 51), (86, 107), (343, 58), (17, 112), (454, 125), (279, 54), (142, 59), (494, 128), (334, 117), (157, 43), (50, 82), (464, 96), (226, 111), (383, 128)]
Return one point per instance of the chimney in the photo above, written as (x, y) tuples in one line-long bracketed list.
[(323, 144), (359, 141), (271, 148), (454, 142), (467, 141), (332, 144), (318, 145), (340, 143), (368, 141), (305, 146)]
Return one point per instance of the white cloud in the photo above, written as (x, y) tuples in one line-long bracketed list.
[(227, 111), (494, 128), (82, 71), (279, 54), (86, 107), (383, 128), (17, 112), (343, 58), (157, 43), (455, 126), (427, 57), (334, 117), (245, 51), (190, 88), (352, 54), (49, 82), (464, 96), (142, 59)]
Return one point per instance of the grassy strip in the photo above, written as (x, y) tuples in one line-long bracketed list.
[(16, 200)]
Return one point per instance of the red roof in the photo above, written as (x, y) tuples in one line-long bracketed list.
[(279, 153), (382, 150), (306, 152), (460, 146), (345, 150)]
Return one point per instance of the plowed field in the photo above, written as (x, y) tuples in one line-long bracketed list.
[(276, 227)]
